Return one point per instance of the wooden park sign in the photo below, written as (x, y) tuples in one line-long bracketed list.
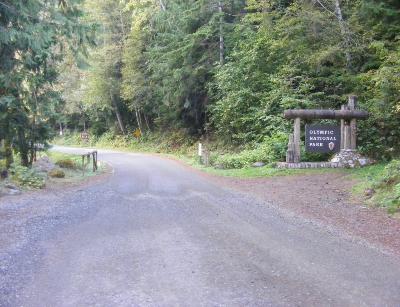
[(85, 136), (324, 138)]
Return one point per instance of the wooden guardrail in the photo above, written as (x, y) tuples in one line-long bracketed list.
[(87, 158)]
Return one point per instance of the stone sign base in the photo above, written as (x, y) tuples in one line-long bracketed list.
[(351, 159), (344, 159), (303, 165)]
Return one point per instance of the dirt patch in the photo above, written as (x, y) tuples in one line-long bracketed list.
[(326, 199)]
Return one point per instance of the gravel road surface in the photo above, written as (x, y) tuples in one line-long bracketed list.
[(155, 233)]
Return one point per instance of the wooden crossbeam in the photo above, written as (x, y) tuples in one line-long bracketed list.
[(326, 114)]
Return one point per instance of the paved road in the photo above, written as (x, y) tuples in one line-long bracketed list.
[(158, 234)]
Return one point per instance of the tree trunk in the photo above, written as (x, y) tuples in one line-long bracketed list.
[(345, 33), (221, 36), (8, 152), (117, 113), (119, 119), (139, 121), (146, 121), (162, 5), (122, 24), (23, 148)]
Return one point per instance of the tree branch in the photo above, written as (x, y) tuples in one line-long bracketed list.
[(325, 8), (162, 5)]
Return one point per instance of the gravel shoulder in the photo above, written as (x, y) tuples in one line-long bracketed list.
[(326, 200)]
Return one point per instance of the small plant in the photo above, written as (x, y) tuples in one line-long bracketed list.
[(27, 177), (67, 163), (57, 173)]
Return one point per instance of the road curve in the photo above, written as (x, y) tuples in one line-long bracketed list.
[(157, 234)]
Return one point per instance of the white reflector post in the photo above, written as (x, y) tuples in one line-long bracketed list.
[(200, 149)]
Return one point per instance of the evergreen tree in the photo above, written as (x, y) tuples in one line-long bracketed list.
[(33, 36)]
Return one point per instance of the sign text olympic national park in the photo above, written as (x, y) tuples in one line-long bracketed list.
[(322, 138)]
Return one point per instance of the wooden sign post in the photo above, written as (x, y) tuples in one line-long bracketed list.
[(85, 137), (348, 116)]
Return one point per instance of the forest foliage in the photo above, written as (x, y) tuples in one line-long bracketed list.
[(34, 36), (221, 69)]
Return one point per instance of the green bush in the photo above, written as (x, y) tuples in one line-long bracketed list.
[(391, 175), (57, 173), (74, 139), (27, 177), (388, 185), (176, 141), (109, 139), (2, 164), (67, 163), (271, 150)]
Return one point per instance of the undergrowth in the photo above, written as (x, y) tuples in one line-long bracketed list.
[(175, 142), (27, 177), (68, 168), (382, 184), (387, 187)]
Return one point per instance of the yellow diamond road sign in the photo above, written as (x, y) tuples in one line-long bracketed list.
[(137, 134)]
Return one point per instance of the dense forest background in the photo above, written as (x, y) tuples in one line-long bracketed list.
[(222, 70)]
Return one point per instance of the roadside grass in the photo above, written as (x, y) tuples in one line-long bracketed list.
[(366, 177), (252, 172), (379, 185)]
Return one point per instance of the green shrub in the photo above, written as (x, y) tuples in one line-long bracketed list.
[(74, 139), (109, 139), (67, 163), (271, 150), (57, 173), (27, 177), (390, 176), (387, 186), (174, 141), (2, 164)]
